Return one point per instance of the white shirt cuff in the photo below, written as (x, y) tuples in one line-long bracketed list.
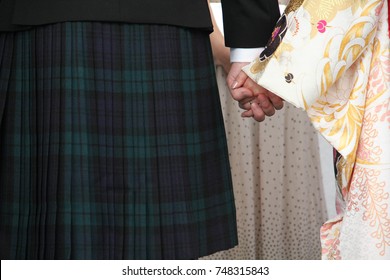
[(244, 55)]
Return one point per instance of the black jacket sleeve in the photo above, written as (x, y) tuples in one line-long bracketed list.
[(249, 23)]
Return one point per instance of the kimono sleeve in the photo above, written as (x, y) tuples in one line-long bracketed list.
[(319, 58)]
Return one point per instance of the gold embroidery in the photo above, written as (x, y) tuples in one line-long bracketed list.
[(258, 66), (293, 5)]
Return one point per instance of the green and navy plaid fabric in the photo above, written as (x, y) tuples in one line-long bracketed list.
[(112, 144)]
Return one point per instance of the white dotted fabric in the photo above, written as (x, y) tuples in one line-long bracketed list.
[(277, 183)]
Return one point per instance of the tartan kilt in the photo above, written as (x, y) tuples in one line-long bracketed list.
[(112, 144)]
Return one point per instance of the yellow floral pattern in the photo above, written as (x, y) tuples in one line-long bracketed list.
[(336, 55)]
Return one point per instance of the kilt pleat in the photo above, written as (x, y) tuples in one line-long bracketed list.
[(112, 144)]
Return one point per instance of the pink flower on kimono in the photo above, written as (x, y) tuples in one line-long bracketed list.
[(321, 26), (379, 9), (275, 33)]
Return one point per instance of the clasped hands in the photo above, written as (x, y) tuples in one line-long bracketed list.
[(256, 101)]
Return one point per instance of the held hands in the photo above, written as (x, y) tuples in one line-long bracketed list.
[(253, 98)]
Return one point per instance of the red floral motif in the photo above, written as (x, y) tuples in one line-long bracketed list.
[(330, 235), (372, 196), (367, 191), (296, 26), (379, 80), (379, 9), (321, 26), (275, 33)]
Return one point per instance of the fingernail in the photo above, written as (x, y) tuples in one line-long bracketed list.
[(234, 85)]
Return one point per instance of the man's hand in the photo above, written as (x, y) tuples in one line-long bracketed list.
[(253, 98)]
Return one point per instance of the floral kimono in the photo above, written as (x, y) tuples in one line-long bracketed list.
[(331, 58)]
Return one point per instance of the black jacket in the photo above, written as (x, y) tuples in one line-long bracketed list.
[(22, 14), (249, 23)]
